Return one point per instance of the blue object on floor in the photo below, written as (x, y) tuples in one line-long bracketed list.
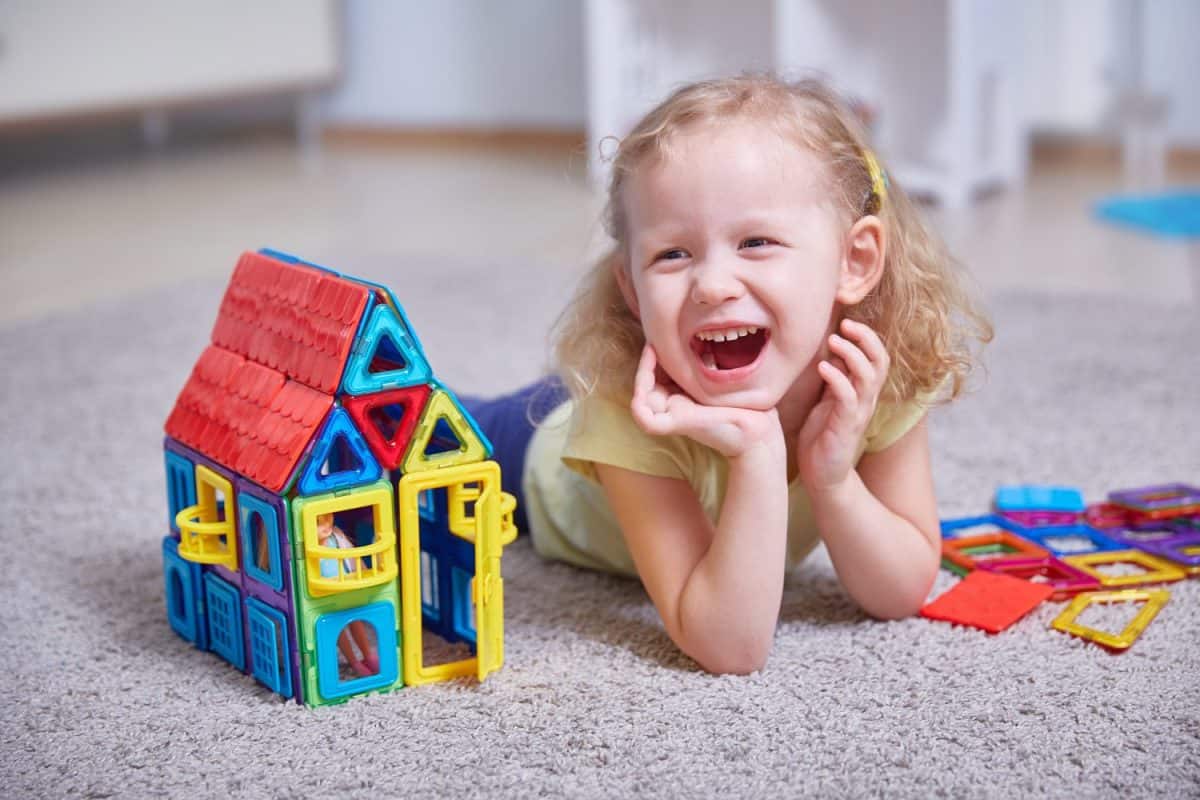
[(1175, 215), (1032, 497)]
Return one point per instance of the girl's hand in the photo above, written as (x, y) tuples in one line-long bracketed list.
[(664, 410), (829, 439)]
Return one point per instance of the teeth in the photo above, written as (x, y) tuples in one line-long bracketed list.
[(709, 360), (727, 335)]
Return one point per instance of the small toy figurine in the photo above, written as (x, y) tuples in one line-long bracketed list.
[(356, 638)]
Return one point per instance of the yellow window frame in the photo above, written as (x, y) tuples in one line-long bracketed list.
[(383, 568), (203, 537)]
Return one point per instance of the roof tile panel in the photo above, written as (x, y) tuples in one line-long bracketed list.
[(246, 417), (272, 310)]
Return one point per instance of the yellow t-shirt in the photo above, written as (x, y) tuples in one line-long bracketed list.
[(569, 515)]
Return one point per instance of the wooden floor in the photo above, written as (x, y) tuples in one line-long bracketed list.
[(75, 231)]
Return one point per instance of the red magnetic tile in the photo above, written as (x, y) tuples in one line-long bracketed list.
[(413, 400), (987, 600), (273, 311), (276, 321)]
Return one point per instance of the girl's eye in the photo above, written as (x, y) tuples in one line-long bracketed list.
[(756, 241), (671, 255)]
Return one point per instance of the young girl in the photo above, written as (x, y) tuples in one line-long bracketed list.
[(749, 372)]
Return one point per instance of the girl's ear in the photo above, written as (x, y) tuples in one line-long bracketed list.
[(862, 263), (620, 269)]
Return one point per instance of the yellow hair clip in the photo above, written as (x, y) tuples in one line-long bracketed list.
[(879, 180)]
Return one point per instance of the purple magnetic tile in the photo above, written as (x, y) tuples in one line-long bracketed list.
[(266, 595), (1142, 498), (224, 574), (285, 550), (1187, 524), (1172, 549), (281, 601), (1141, 536), (1041, 519)]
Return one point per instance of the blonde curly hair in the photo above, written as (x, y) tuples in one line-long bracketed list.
[(920, 308)]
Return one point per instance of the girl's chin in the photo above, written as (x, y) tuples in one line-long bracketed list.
[(756, 398)]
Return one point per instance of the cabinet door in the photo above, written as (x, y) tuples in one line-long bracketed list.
[(59, 57)]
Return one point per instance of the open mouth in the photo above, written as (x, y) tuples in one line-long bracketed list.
[(730, 348)]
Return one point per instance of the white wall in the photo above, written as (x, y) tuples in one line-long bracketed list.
[(1172, 65), (520, 63), (462, 64), (1080, 51)]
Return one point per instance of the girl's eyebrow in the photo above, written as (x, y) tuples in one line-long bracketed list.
[(762, 217), (666, 233)]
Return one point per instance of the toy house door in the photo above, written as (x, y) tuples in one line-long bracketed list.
[(488, 588), (473, 517)]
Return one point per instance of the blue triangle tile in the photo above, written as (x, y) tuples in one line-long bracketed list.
[(363, 469), (388, 333)]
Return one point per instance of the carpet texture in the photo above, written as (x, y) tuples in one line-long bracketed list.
[(104, 700)]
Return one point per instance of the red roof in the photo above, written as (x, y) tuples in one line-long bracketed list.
[(292, 318), (259, 392), (247, 417)]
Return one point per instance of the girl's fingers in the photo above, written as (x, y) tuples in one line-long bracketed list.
[(857, 364), (839, 384), (643, 381), (651, 401), (870, 343)]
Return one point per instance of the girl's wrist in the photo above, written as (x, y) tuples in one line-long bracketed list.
[(832, 496), (768, 450)]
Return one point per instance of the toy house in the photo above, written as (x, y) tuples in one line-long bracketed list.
[(333, 510)]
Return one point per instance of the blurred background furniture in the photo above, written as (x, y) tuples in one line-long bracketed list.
[(63, 61), (941, 77)]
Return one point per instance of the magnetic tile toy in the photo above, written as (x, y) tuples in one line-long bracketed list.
[(1153, 599), (1154, 569), (1183, 550), (1057, 539), (987, 600), (1041, 519), (1033, 497), (1106, 515), (285, 453), (1160, 502), (966, 552), (1063, 579)]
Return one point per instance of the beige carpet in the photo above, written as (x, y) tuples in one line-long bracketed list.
[(104, 700)]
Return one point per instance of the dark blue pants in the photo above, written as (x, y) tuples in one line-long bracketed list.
[(509, 421)]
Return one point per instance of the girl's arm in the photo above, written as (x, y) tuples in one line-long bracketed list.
[(717, 588), (879, 519), (881, 529)]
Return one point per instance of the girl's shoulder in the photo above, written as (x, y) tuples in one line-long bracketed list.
[(895, 418)]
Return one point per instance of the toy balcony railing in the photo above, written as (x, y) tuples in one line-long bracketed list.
[(356, 567), (206, 541), (463, 524), (508, 529)]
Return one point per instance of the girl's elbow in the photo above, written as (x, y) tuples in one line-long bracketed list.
[(739, 659), (735, 664), (895, 611), (907, 602)]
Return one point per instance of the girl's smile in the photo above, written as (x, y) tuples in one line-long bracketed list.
[(729, 353)]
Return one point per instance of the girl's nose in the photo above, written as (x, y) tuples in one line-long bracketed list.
[(714, 283)]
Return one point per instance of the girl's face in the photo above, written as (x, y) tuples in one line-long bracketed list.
[(735, 261)]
